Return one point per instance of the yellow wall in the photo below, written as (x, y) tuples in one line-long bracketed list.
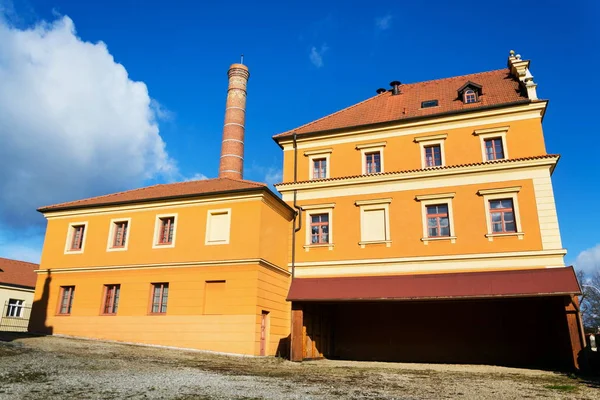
[(524, 138), (249, 289)]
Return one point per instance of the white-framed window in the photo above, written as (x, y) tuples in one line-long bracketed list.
[(502, 212), (118, 234), (76, 235), (372, 157), (218, 226), (374, 222), (15, 308), (438, 217), (493, 143), (165, 231), (432, 150), (319, 163), (319, 226)]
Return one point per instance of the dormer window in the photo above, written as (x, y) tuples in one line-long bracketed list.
[(469, 92), (469, 96)]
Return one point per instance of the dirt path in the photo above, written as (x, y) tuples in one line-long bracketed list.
[(61, 368)]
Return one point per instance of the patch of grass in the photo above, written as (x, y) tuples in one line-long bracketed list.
[(562, 388)]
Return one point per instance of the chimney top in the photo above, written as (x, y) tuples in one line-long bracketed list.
[(395, 87), (381, 90)]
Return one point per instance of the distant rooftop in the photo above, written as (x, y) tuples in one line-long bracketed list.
[(17, 273)]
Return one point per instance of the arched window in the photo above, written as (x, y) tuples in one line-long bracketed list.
[(469, 96)]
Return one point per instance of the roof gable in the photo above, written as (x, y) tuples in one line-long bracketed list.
[(470, 85)]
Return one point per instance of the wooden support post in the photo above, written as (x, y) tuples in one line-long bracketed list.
[(575, 327), (297, 339)]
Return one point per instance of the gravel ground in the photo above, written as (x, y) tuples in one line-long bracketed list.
[(62, 368)]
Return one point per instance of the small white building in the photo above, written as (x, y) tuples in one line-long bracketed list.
[(17, 285)]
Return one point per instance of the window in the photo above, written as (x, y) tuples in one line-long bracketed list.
[(469, 96), (215, 296), (15, 308), (66, 299), (438, 224), (493, 143), (118, 234), (318, 163), (111, 299), (374, 221), (218, 226), (429, 103), (160, 294), (319, 228), (437, 217), (502, 212), (319, 168), (433, 155), (165, 231), (76, 235), (372, 163), (502, 216), (494, 149)]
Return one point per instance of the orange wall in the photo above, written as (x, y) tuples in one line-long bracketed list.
[(249, 290), (524, 138), (251, 220), (406, 226)]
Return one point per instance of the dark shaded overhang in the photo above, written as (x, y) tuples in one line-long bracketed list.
[(467, 285)]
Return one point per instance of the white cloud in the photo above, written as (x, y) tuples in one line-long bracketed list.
[(383, 23), (588, 260), (273, 176), (316, 56), (72, 123), (196, 177)]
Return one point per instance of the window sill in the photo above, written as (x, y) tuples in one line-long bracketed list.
[(216, 243), (426, 240), (108, 315), (491, 236), (163, 245), (387, 243), (74, 252), (157, 313), (62, 315), (122, 248), (307, 247)]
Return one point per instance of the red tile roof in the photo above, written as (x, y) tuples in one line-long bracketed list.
[(408, 171), (498, 88), (18, 273), (493, 284), (163, 191)]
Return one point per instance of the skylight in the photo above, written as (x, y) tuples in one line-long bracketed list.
[(429, 103)]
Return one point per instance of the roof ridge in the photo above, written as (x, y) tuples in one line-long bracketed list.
[(455, 77), (19, 261), (405, 171)]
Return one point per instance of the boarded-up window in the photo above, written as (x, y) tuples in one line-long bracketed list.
[(215, 293), (373, 228), (218, 226)]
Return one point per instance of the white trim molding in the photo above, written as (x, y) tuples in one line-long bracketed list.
[(374, 205), (497, 194), (209, 222), (317, 155), (111, 234), (366, 149), (313, 210), (437, 199), (70, 237), (370, 145), (155, 244), (428, 141), (492, 133)]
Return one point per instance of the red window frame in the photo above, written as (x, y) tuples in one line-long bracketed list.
[(167, 226), (438, 216), (110, 304), (503, 220), (433, 158), (120, 234), (373, 162), (494, 149), (320, 224), (319, 168), (77, 237), (469, 96), (65, 304), (160, 295)]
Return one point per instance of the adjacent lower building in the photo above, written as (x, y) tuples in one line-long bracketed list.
[(17, 284), (417, 225)]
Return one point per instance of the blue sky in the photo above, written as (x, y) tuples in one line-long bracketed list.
[(306, 59)]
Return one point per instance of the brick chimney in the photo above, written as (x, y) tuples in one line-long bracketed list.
[(232, 147)]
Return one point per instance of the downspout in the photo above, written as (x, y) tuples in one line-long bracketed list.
[(298, 215)]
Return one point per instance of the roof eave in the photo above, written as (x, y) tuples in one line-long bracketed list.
[(277, 138)]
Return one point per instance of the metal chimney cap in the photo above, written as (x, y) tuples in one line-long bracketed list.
[(395, 83), (381, 90)]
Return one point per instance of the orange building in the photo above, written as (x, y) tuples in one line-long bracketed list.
[(417, 225)]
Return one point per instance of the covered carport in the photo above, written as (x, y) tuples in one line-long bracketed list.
[(516, 318)]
